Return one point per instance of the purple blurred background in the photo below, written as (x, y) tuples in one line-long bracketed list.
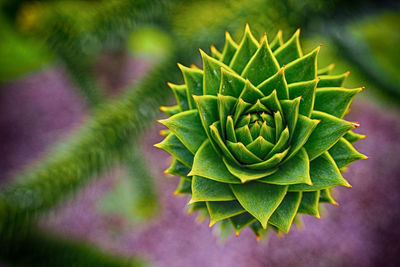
[(43, 108)]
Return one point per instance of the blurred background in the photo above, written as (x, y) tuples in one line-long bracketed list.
[(81, 83)]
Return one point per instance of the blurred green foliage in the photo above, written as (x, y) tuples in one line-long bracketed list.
[(19, 53), (135, 189), (38, 249), (380, 36), (382, 33), (360, 36), (78, 31), (150, 41)]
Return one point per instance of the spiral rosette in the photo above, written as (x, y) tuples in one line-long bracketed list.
[(257, 136)]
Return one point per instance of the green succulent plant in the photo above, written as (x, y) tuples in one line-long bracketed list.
[(257, 136)]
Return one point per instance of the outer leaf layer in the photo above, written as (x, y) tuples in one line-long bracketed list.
[(260, 200)]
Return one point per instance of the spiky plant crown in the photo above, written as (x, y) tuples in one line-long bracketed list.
[(258, 135)]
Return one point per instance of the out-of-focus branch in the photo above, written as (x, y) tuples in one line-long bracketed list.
[(100, 143), (38, 249), (359, 54)]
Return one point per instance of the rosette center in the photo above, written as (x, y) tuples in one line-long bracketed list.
[(251, 135)]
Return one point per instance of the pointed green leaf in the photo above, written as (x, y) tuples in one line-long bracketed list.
[(243, 120), (267, 132), (327, 70), (215, 53), (248, 46), (231, 83), (268, 119), (290, 50), (188, 128), (255, 130), (305, 90), (216, 137), (291, 113), (197, 206), (202, 213), (194, 83), (324, 174), (212, 74), (241, 221), (177, 168), (241, 106), (326, 197), (278, 124), (294, 171), (207, 106), (220, 210), (207, 163), (260, 232), (335, 101), (268, 163), (243, 135), (272, 102), (259, 199), (173, 146), (276, 82), (326, 134), (204, 189), (171, 110), (260, 147), (255, 116), (332, 80), (302, 69), (274, 228), (165, 132), (245, 174), (229, 49), (283, 216), (230, 130), (225, 108), (180, 93), (224, 229), (258, 107), (262, 65), (184, 187), (251, 93), (344, 153), (353, 137), (309, 203), (277, 41), (281, 144), (242, 154), (305, 126)]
